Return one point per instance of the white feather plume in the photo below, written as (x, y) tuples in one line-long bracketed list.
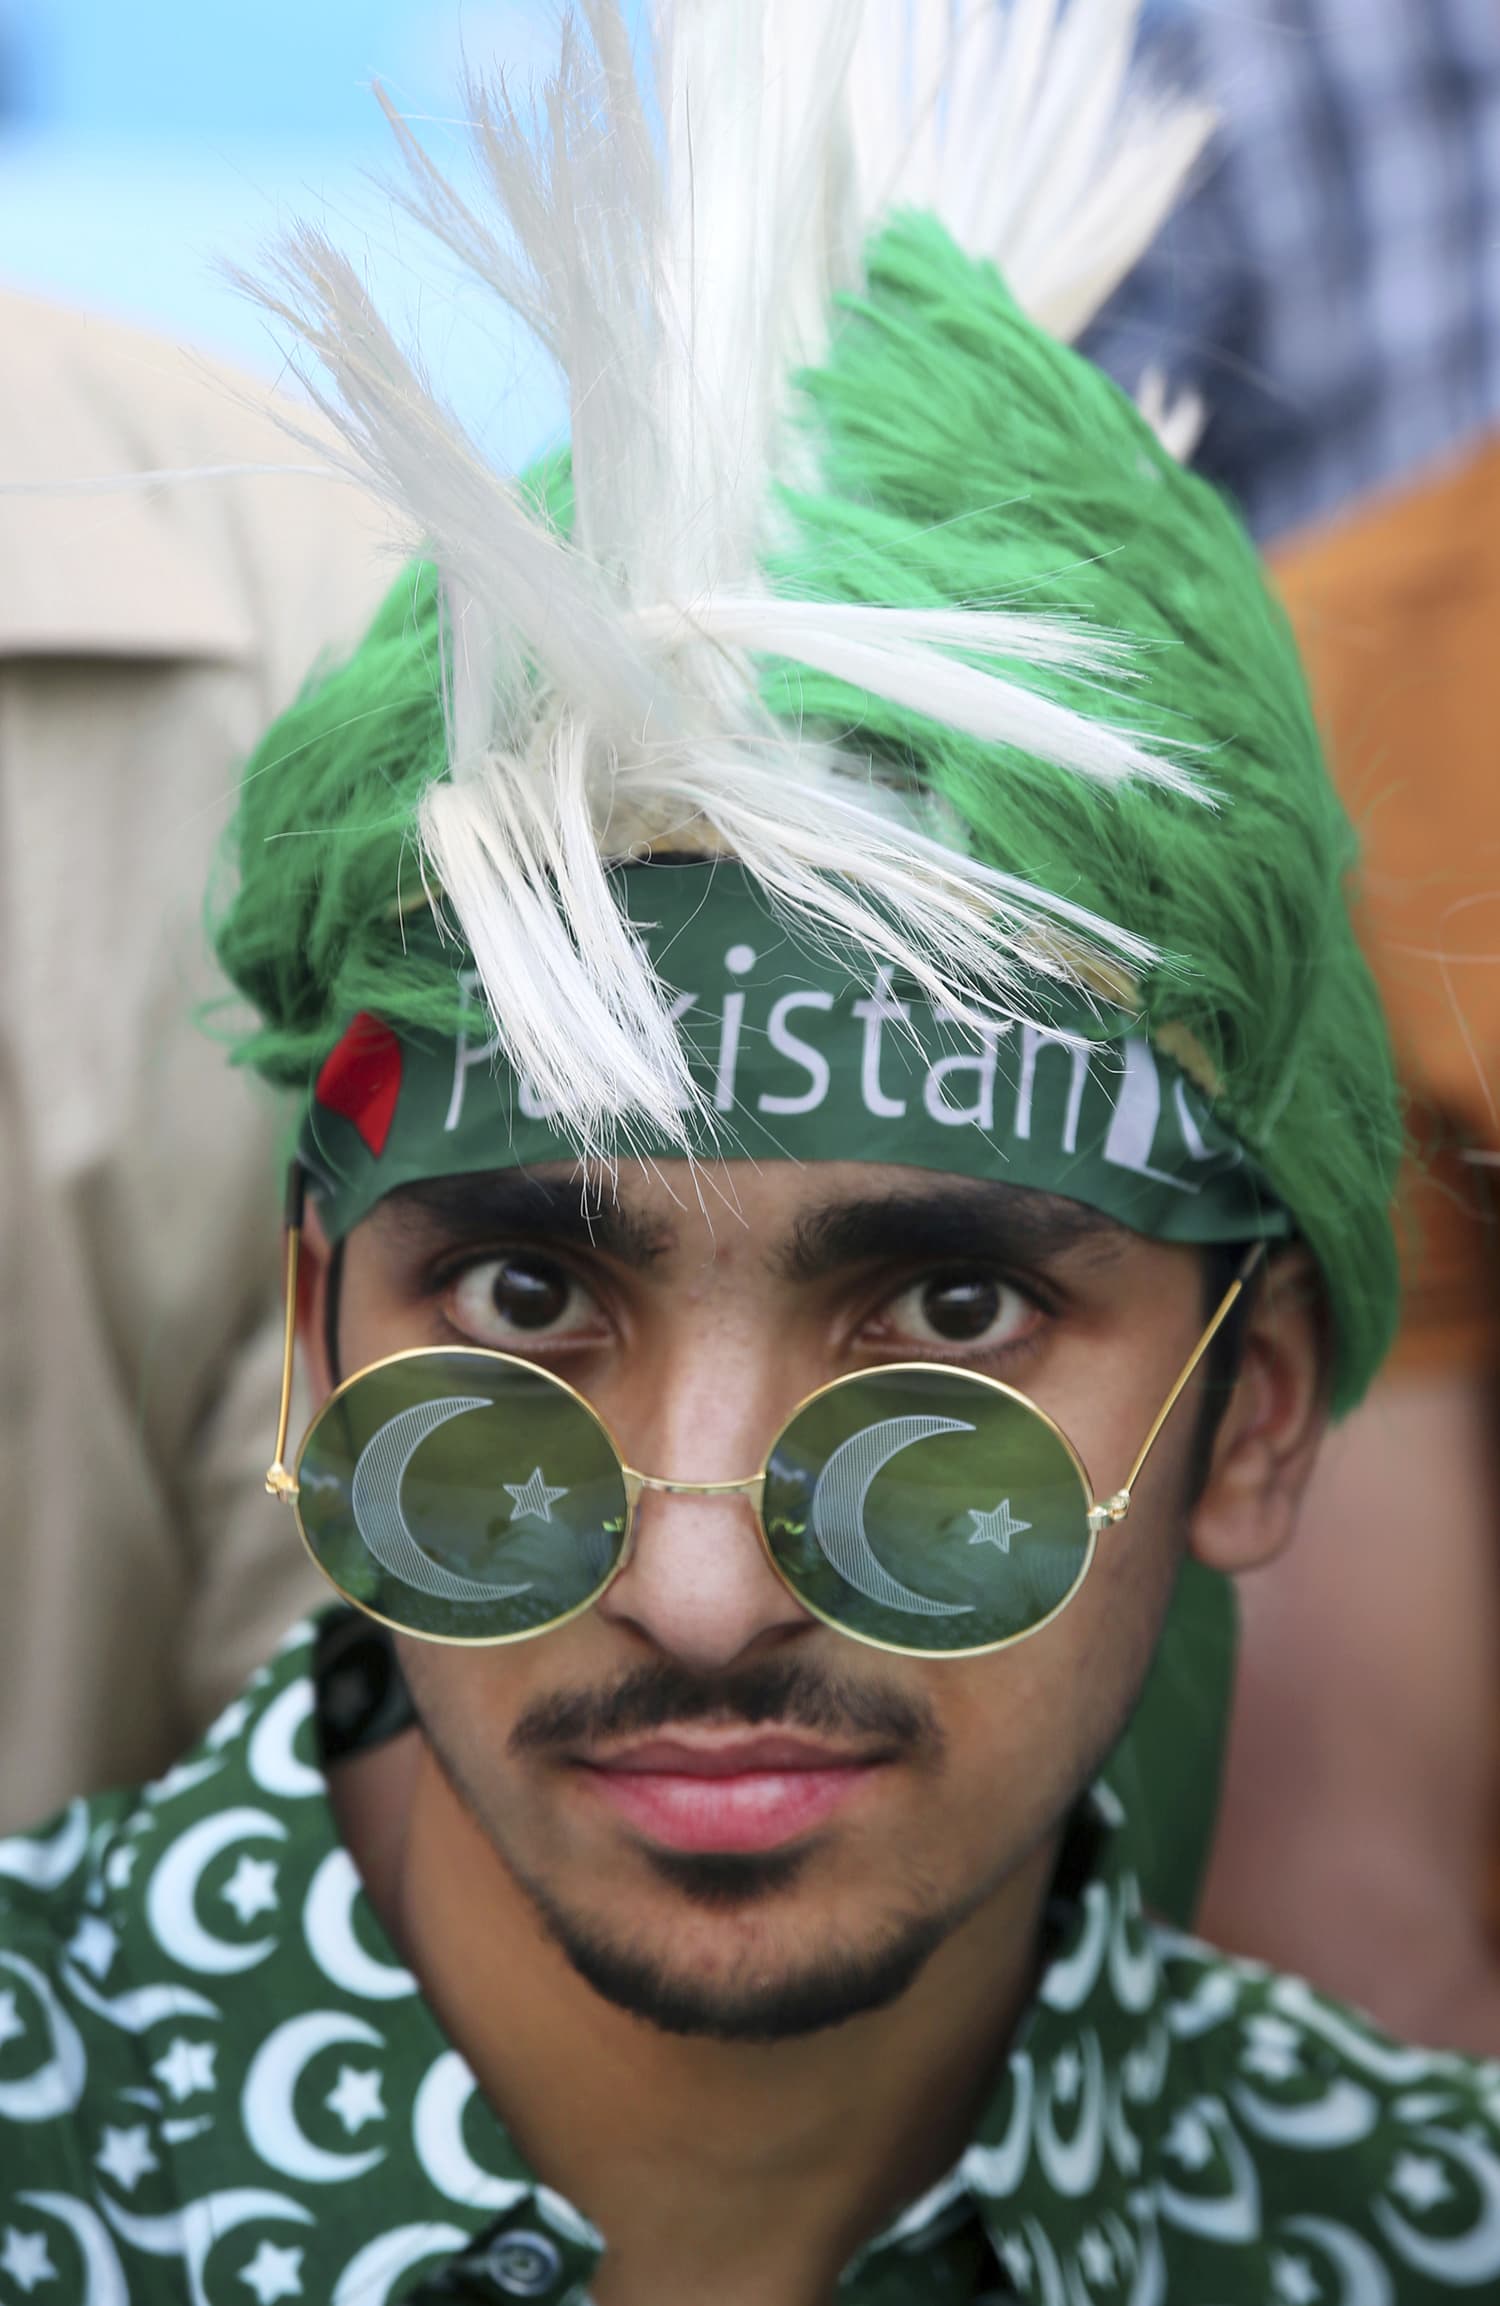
[(1022, 124), (678, 257)]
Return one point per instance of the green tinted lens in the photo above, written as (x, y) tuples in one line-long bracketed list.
[(927, 1509), (463, 1495)]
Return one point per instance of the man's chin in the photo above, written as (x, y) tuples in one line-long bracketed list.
[(764, 1988)]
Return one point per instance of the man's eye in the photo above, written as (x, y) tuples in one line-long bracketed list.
[(513, 1300), (972, 1309)]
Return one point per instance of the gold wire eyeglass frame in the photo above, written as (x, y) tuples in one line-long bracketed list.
[(282, 1482)]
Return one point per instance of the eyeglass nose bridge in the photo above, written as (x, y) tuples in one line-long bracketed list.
[(752, 1486)]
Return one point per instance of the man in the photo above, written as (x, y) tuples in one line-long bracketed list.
[(147, 635), (852, 1079)]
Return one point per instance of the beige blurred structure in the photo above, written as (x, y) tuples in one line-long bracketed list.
[(145, 639)]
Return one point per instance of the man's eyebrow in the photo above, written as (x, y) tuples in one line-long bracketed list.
[(1002, 1223), (515, 1204)]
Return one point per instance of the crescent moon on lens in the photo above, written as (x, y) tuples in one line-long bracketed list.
[(838, 1512), (376, 1498), (56, 2087), (438, 2133), (1364, 2278), (1460, 2259), (271, 2084), (101, 2260), (371, 2273), (171, 1898), (328, 1925)]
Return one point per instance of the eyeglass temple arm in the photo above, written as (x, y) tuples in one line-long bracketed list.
[(279, 1481), (1114, 1509)]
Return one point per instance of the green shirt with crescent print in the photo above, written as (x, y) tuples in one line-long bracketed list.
[(218, 2085)]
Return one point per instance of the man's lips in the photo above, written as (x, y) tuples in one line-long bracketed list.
[(724, 1795)]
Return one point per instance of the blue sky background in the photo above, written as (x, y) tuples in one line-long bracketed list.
[(141, 143)]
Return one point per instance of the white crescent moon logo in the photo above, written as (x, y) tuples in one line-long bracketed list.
[(1466, 2258), (438, 2134), (1070, 1981), (1073, 2164), (271, 2084), (1364, 2278), (45, 1865), (328, 1923), (1231, 2217), (371, 2273), (56, 2087), (838, 1512), (1344, 2114), (143, 2007), (191, 2233), (381, 1519), (275, 1764), (101, 2261), (171, 1898)]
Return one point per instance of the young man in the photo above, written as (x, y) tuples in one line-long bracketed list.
[(886, 1038)]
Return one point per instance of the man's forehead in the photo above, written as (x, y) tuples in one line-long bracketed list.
[(807, 1216)]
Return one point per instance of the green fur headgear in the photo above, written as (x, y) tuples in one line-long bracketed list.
[(972, 676)]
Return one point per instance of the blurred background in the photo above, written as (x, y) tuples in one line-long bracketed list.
[(139, 147)]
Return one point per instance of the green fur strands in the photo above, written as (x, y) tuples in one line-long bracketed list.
[(966, 458), (970, 457)]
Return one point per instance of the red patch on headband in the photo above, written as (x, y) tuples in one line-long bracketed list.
[(361, 1080)]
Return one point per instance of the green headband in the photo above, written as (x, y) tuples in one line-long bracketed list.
[(803, 1056)]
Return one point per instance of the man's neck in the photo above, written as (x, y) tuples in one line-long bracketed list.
[(745, 2172)]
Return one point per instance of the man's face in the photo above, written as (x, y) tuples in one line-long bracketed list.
[(734, 1819)]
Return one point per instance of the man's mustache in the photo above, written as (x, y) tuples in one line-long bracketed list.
[(655, 1697)]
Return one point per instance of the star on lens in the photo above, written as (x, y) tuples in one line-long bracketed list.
[(533, 1499), (997, 1528)]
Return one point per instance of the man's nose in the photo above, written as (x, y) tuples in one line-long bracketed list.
[(699, 1585)]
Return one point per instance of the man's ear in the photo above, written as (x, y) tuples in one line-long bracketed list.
[(1271, 1430), (312, 1305)]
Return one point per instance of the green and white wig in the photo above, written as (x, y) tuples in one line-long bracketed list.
[(852, 573)]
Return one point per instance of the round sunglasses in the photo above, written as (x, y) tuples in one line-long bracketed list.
[(465, 1496)]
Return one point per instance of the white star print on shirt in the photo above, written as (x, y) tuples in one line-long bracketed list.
[(126, 2156), (1096, 2258), (1294, 2281), (1190, 2141), (274, 2274), (1067, 2076), (25, 2259), (251, 1889), (1274, 2049), (185, 2068), (1420, 2181), (94, 1945), (356, 2100)]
